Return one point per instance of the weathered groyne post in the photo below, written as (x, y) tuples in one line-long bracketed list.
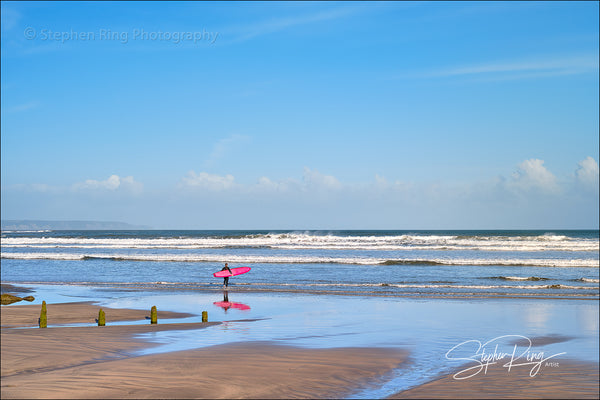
[(101, 318), (43, 321), (153, 315)]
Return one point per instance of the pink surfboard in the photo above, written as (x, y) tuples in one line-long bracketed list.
[(227, 304), (234, 271)]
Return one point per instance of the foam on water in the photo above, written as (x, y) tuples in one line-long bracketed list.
[(543, 242), (301, 259), (435, 262)]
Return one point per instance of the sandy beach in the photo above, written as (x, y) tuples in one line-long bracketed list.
[(569, 380), (97, 362), (105, 362)]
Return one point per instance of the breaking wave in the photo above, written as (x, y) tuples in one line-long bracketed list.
[(276, 259), (317, 241), (519, 278)]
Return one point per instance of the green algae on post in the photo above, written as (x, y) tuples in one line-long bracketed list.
[(101, 318), (43, 321), (9, 299), (153, 315), (6, 298)]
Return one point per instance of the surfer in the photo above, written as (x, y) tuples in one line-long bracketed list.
[(226, 279)]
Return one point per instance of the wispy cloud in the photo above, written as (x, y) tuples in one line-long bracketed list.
[(224, 147), (21, 107), (206, 181), (541, 67), (560, 66), (10, 16), (243, 33), (112, 184)]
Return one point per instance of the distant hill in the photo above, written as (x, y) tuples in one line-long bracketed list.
[(34, 225)]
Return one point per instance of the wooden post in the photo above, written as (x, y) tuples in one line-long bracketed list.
[(204, 316), (153, 315), (43, 317), (101, 318)]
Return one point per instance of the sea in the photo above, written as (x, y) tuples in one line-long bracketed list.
[(408, 263), (426, 292)]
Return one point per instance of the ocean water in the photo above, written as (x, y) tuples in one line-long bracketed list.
[(421, 291), (388, 263)]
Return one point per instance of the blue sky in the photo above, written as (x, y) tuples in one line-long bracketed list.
[(308, 115)]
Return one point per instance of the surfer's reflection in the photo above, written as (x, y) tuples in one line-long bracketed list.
[(226, 304)]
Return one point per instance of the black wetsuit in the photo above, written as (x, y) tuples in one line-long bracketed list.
[(226, 279)]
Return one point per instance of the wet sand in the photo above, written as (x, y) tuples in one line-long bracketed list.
[(27, 315), (567, 380), (553, 379), (98, 362), (101, 362)]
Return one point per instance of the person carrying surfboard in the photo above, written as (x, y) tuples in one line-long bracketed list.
[(226, 279), (227, 272)]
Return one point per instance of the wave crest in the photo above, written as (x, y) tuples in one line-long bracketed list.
[(265, 259), (321, 240)]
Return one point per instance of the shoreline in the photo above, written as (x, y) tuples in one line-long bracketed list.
[(86, 312), (102, 362), (118, 360), (240, 288)]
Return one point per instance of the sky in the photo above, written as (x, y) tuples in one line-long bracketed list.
[(301, 115)]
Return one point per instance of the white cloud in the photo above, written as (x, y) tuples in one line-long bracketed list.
[(315, 179), (532, 197), (587, 173), (532, 174), (380, 181), (266, 182), (268, 185), (204, 180), (131, 184), (113, 183)]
